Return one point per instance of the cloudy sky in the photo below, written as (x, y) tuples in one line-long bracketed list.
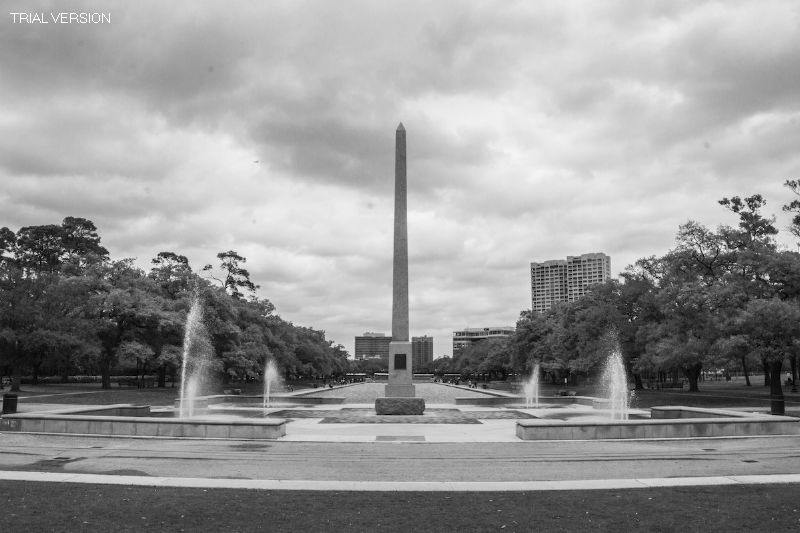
[(536, 130)]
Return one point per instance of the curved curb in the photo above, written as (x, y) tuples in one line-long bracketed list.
[(397, 486)]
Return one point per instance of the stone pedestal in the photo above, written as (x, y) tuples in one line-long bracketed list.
[(399, 406), (400, 376)]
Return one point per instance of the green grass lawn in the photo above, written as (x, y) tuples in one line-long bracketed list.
[(718, 393), (712, 394), (93, 394), (78, 507)]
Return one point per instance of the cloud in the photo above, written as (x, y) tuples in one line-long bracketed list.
[(535, 131)]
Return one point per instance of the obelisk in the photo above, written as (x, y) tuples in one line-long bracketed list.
[(400, 376)]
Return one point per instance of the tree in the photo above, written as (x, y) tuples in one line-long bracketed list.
[(701, 251), (139, 353), (80, 243), (39, 249), (26, 279), (593, 318), (122, 306), (684, 338), (173, 273), (73, 245), (235, 277), (754, 228), (19, 317), (638, 307), (8, 244), (220, 313), (64, 304), (441, 366), (772, 328), (531, 333), (488, 356), (370, 366), (794, 206)]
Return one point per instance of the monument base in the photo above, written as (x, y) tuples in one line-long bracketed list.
[(400, 376), (399, 390), (399, 406)]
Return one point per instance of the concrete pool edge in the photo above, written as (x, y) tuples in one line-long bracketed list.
[(135, 421), (666, 422)]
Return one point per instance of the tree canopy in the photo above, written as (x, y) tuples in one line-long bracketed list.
[(67, 308)]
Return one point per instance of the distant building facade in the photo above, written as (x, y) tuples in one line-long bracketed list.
[(567, 280), (468, 336), (372, 346), (421, 351)]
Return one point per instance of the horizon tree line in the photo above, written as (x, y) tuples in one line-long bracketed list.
[(67, 308), (724, 299)]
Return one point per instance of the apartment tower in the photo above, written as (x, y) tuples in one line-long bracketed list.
[(567, 280)]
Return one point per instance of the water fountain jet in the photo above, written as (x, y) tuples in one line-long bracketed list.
[(616, 382), (195, 360), (271, 377), (532, 388)]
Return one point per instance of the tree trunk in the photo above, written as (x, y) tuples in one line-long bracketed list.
[(637, 380), (793, 360), (744, 366), (765, 364), (162, 377), (775, 389), (16, 371), (16, 378), (105, 373), (692, 373)]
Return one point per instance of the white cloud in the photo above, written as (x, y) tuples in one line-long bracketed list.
[(535, 131)]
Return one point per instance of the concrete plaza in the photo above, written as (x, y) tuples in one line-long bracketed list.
[(399, 456)]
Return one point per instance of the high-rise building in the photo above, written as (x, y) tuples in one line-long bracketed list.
[(548, 284), (421, 351), (465, 337), (565, 281), (372, 346)]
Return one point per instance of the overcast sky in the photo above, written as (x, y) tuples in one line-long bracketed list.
[(535, 130)]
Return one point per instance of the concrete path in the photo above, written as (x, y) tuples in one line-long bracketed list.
[(402, 465), (376, 457)]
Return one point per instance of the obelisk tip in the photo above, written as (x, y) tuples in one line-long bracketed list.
[(400, 127)]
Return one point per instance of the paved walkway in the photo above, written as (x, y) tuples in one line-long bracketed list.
[(401, 464), (358, 456)]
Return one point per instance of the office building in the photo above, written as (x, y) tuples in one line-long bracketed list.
[(468, 336), (372, 346), (421, 351), (567, 280)]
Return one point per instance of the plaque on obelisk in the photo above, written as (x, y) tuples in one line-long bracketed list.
[(400, 376)]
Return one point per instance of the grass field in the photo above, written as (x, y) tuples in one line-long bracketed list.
[(77, 507), (712, 394)]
